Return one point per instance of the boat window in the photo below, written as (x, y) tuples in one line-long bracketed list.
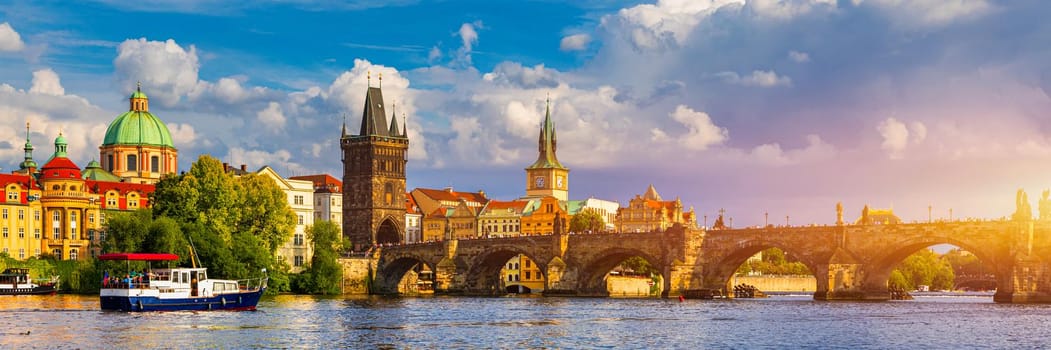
[(202, 275), (175, 277), (185, 277)]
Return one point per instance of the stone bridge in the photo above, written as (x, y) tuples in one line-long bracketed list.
[(851, 262)]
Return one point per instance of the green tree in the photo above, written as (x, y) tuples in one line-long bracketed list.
[(638, 265), (324, 275), (587, 220), (774, 262), (926, 268)]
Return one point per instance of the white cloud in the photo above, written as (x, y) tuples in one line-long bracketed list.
[(758, 78), (575, 42), (919, 13), (182, 134), (798, 57), (469, 37), (895, 137), (513, 73), (701, 132), (772, 154), (434, 54), (280, 160), (45, 81), (918, 131), (272, 117), (9, 39), (166, 70)]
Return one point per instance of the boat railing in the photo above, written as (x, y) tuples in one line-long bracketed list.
[(252, 284)]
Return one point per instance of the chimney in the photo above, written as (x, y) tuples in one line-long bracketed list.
[(244, 168), (226, 167), (449, 189), (482, 193)]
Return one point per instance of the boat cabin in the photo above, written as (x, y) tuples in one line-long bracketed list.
[(14, 276)]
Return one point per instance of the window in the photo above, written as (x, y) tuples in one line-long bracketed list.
[(21, 232), (298, 239), (36, 215), (73, 225), (5, 213), (510, 278), (155, 164), (300, 220), (56, 232), (5, 232), (21, 253), (528, 275), (297, 199), (109, 162), (72, 254), (133, 162), (56, 216), (298, 260), (36, 235), (111, 202), (21, 214), (57, 253), (91, 218)]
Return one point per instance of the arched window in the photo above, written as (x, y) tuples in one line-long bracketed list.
[(388, 194), (72, 254), (57, 253), (133, 162)]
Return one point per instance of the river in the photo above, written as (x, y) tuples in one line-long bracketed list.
[(943, 322)]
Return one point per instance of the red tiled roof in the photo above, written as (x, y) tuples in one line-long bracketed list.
[(23, 180), (60, 168), (448, 195), (410, 205), (322, 182), (122, 187), (518, 206)]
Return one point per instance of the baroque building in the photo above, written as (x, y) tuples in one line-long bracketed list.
[(374, 163), (546, 176), (300, 196), (138, 147), (649, 212)]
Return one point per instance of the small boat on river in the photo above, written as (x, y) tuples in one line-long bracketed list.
[(16, 281), (175, 289)]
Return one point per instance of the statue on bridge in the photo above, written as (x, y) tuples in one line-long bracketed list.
[(1045, 206), (839, 213), (558, 224), (1023, 211)]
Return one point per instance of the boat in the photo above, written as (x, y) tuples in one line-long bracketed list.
[(16, 281), (175, 289)]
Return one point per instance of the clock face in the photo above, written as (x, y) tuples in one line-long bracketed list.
[(539, 181), (558, 182)]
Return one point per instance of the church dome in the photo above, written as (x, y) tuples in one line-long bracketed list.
[(138, 126)]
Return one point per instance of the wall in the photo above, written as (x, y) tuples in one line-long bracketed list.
[(778, 283), (629, 286), (356, 275)]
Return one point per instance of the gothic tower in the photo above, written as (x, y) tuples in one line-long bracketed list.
[(547, 177), (374, 177)]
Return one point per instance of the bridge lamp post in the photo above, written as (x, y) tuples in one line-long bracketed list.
[(950, 214), (786, 220), (705, 221), (929, 208), (766, 219)]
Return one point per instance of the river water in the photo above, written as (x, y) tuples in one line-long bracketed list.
[(944, 322)]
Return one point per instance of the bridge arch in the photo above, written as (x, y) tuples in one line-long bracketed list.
[(390, 274), (592, 279), (720, 275), (877, 274), (483, 272), (389, 231)]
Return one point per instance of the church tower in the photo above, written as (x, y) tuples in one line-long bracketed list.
[(547, 177), (374, 176)]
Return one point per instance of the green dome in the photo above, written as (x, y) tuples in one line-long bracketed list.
[(138, 128), (138, 94)]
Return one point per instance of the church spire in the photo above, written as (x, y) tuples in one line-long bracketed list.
[(393, 119), (28, 163), (547, 143)]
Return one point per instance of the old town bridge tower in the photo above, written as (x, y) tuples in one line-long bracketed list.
[(374, 177)]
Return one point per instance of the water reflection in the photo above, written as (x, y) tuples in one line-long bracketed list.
[(65, 321)]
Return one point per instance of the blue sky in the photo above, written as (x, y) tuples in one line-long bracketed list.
[(753, 106)]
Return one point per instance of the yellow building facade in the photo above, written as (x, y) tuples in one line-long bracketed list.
[(649, 212), (545, 216)]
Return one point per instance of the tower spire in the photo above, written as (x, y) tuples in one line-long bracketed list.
[(344, 133), (28, 163), (546, 143), (393, 121)]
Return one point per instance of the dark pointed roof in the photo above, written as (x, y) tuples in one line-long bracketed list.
[(393, 123), (548, 145), (373, 117)]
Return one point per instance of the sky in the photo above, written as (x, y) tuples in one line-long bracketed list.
[(771, 110)]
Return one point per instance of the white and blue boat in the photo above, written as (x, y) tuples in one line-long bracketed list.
[(175, 289)]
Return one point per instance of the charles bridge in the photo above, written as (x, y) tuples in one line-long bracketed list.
[(849, 262)]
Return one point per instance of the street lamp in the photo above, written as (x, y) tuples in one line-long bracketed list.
[(929, 207), (786, 220), (766, 219), (705, 221), (950, 214)]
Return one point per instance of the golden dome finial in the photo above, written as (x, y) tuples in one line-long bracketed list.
[(368, 77), (381, 80)]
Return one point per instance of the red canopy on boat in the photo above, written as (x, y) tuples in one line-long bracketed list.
[(139, 256)]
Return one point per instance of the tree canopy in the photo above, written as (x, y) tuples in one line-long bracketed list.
[(324, 275), (587, 220)]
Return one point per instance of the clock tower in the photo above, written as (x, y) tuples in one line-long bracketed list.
[(547, 177)]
